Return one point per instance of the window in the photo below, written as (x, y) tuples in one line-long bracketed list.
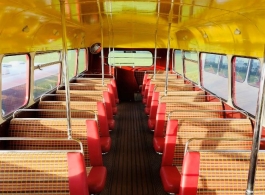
[(214, 74), (46, 73), (81, 60), (246, 83), (71, 62), (211, 63), (130, 58), (191, 66), (223, 67), (178, 62), (254, 73), (15, 71), (241, 67)]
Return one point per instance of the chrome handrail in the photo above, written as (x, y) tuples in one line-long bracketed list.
[(39, 139), (215, 139), (51, 110), (239, 111), (65, 95)]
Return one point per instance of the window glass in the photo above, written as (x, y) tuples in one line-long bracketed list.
[(71, 62), (45, 58), (46, 78), (245, 91), (223, 67), (82, 60), (178, 62), (211, 63), (130, 58), (15, 71), (191, 66), (216, 83), (241, 67), (254, 73)]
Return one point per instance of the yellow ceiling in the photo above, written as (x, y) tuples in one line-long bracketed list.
[(222, 26)]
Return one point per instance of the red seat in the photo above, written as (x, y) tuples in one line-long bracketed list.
[(77, 174), (111, 123), (147, 110), (149, 98), (105, 143), (153, 110), (96, 179), (159, 128), (159, 143), (151, 124), (170, 177), (113, 83), (190, 174)]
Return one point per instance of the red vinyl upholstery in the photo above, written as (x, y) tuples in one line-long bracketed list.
[(96, 179), (144, 83), (170, 176), (170, 142), (149, 98), (159, 127), (112, 99), (190, 174), (111, 122), (146, 92), (159, 143), (77, 174), (113, 83), (153, 110), (93, 141), (105, 143), (103, 120), (170, 179)]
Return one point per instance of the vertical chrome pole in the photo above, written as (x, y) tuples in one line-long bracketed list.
[(168, 43), (110, 27), (65, 69), (102, 49), (157, 20), (257, 132)]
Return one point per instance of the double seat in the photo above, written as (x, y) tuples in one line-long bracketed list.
[(83, 95), (181, 110), (82, 129), (179, 96), (43, 172), (182, 130), (79, 110)]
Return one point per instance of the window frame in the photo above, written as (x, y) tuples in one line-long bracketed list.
[(47, 65), (86, 61), (233, 79), (191, 60), (132, 51), (27, 83), (217, 73)]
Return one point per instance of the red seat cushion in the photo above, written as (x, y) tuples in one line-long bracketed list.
[(114, 110), (117, 100), (151, 124), (147, 110), (105, 143), (159, 143), (170, 179), (144, 100), (96, 179), (111, 124)]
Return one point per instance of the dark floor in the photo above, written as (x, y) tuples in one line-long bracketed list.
[(133, 166)]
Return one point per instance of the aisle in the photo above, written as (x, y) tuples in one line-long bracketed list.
[(133, 166)]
